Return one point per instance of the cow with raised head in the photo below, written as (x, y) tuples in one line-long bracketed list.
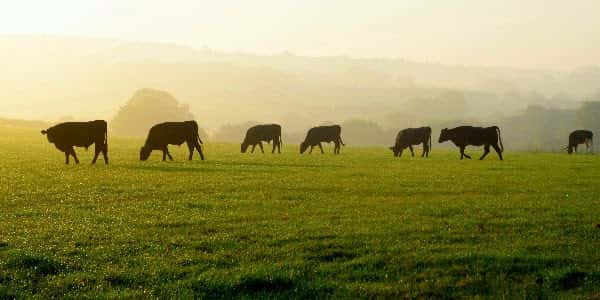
[(259, 133), (464, 136), (65, 136), (578, 137), (320, 134), (406, 138), (172, 133)]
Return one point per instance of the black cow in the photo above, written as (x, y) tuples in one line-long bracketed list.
[(65, 136), (412, 136), (259, 133), (327, 134), (172, 133), (581, 137), (463, 136)]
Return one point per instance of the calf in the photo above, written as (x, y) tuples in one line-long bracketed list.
[(172, 133), (581, 137), (412, 136), (65, 136), (463, 136), (327, 134), (259, 133)]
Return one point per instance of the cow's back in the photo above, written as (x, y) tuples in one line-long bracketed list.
[(80, 134), (265, 132), (324, 133), (171, 133)]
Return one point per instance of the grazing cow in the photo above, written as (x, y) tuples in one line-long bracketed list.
[(65, 136), (463, 136), (412, 136), (581, 137), (327, 134), (259, 133), (172, 133)]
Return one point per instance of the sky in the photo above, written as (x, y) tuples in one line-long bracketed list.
[(538, 34)]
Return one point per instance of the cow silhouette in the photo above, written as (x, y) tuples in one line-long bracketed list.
[(464, 136), (327, 134), (406, 138), (578, 137), (259, 133), (65, 136), (172, 133)]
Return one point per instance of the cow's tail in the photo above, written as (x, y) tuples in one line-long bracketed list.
[(280, 141), (106, 139), (429, 141), (499, 138), (341, 142)]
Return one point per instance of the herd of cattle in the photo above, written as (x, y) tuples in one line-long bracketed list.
[(66, 136)]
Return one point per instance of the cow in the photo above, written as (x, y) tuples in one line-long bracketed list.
[(463, 136), (172, 133), (327, 134), (581, 137), (412, 136), (259, 133), (65, 136)]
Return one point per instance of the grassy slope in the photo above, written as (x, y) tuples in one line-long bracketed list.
[(359, 224)]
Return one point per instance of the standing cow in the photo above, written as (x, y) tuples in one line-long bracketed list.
[(412, 136), (581, 137), (172, 133), (65, 136), (259, 133), (463, 136), (327, 134)]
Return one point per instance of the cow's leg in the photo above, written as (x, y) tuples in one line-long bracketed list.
[(97, 150), (253, 147), (191, 149), (497, 148), (412, 152), (168, 154), (164, 151), (74, 155), (463, 154), (67, 154), (311, 149), (105, 153), (336, 148), (279, 146), (199, 148), (575, 148), (486, 150), (261, 147), (321, 147), (274, 146), (400, 152)]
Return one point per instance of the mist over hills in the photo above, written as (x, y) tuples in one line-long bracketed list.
[(47, 77)]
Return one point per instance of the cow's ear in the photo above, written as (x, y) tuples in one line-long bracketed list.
[(44, 131)]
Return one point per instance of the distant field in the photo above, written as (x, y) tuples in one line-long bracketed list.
[(361, 224)]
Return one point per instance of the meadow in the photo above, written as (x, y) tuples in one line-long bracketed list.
[(358, 225)]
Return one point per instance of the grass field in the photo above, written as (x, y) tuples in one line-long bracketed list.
[(361, 224)]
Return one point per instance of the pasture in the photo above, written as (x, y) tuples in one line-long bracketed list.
[(361, 224)]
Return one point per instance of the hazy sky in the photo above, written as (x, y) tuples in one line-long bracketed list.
[(520, 33)]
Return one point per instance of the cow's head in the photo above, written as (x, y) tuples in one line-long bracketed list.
[(48, 136), (244, 147), (144, 153), (303, 147), (444, 135), (395, 149), (569, 149)]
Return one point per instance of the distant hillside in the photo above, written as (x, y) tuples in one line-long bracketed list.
[(48, 77)]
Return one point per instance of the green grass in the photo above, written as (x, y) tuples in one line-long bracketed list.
[(361, 224)]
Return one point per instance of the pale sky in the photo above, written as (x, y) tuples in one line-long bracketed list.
[(518, 33)]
